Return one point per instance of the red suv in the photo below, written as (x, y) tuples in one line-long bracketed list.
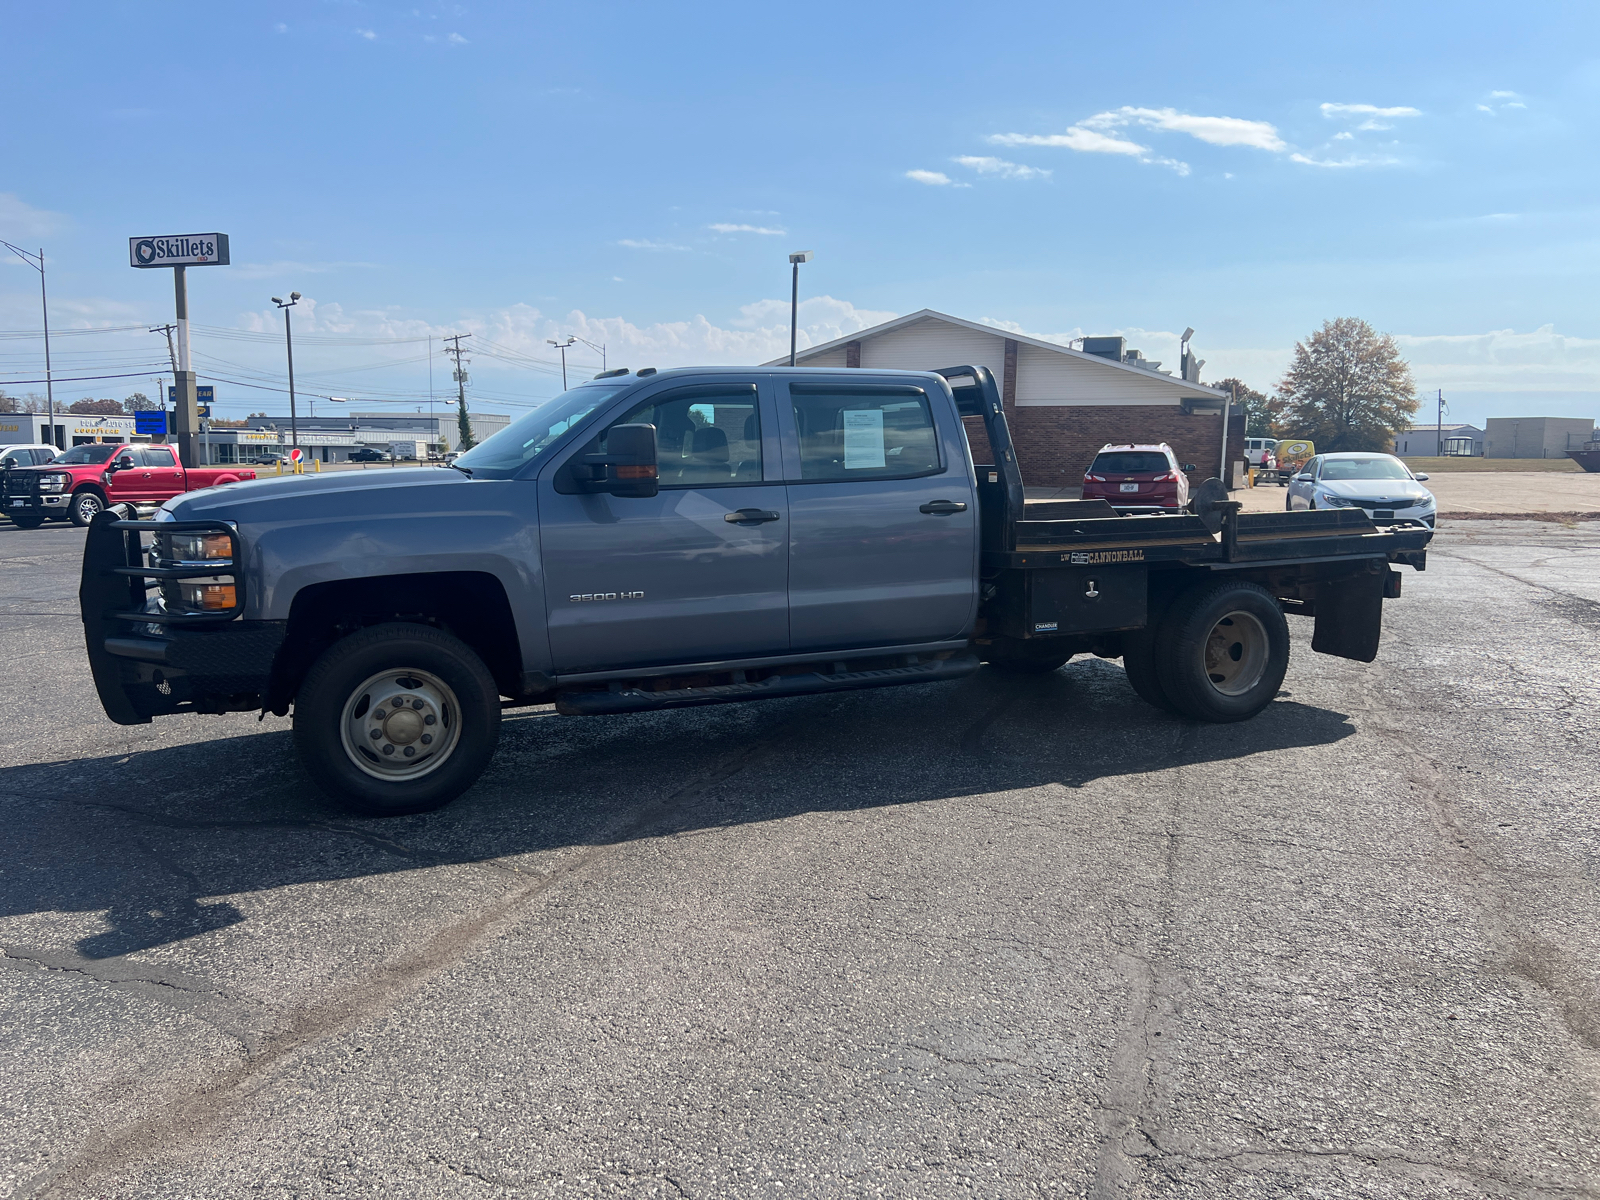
[(1138, 477)]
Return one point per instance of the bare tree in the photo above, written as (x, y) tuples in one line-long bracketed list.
[(9, 404), (1260, 410), (1348, 388)]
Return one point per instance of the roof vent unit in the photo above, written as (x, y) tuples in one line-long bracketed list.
[(1106, 347)]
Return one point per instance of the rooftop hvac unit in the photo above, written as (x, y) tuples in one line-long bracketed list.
[(1106, 347)]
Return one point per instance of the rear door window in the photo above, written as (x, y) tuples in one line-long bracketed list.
[(157, 456), (867, 433)]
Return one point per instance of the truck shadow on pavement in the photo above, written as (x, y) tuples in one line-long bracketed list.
[(154, 839)]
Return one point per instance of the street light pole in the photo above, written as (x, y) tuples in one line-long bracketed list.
[(562, 346), (44, 308), (794, 300), (601, 348), (288, 341)]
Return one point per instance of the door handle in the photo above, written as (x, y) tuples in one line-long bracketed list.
[(750, 516), (943, 508)]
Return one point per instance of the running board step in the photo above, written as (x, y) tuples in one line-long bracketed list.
[(575, 704)]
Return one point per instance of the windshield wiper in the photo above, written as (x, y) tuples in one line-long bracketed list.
[(467, 471)]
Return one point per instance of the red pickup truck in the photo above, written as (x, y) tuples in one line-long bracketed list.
[(78, 485)]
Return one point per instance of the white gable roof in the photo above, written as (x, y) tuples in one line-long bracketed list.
[(1042, 379)]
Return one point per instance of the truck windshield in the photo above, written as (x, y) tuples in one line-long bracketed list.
[(80, 456), (519, 443)]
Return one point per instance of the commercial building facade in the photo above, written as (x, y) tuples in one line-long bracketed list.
[(1535, 437), (1457, 441), (1062, 404), (330, 438)]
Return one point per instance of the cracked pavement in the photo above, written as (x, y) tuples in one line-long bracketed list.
[(999, 937)]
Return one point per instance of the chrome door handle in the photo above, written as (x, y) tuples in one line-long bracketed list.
[(943, 508), (750, 516)]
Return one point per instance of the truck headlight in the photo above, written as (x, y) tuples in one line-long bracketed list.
[(196, 548), (54, 483)]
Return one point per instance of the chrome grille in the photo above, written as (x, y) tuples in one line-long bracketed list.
[(1402, 502)]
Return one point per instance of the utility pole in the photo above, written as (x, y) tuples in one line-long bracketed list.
[(562, 346), (463, 421), (288, 341), (1439, 450), (36, 261)]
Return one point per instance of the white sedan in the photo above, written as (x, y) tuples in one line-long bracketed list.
[(1380, 484)]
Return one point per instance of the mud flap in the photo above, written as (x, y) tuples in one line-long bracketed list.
[(1350, 614)]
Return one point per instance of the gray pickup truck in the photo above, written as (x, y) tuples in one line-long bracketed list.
[(664, 539)]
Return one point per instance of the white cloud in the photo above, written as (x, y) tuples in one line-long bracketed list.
[(368, 34), (1353, 161), (19, 219), (1500, 101), (1085, 141), (1503, 360), (1368, 110), (931, 178), (648, 244), (1344, 136), (1218, 131), (1089, 141), (455, 39), (987, 165), (280, 27), (725, 227)]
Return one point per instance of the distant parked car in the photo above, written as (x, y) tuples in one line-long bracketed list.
[(367, 454), (32, 454), (1134, 476), (1261, 453), (1379, 484), (267, 458)]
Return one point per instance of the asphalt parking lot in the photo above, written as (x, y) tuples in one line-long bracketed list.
[(990, 938)]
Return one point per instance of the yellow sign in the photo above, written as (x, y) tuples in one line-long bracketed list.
[(1295, 449)]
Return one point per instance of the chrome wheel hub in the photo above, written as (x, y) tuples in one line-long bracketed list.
[(1236, 653), (401, 724)]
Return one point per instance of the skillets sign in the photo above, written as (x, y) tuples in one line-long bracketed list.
[(179, 250)]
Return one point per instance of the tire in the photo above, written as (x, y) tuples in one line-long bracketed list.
[(28, 520), (451, 715), (1042, 665), (1139, 664), (1222, 650), (86, 506), (1287, 507)]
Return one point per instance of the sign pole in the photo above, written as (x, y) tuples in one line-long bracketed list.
[(186, 416)]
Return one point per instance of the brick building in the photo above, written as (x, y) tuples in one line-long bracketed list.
[(1062, 404)]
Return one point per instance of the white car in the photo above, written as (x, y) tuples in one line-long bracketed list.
[(1380, 484), (29, 454)]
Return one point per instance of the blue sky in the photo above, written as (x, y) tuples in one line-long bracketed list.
[(637, 174)]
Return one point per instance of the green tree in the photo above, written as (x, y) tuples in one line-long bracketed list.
[(1347, 388), (1260, 410), (464, 426), (139, 402), (98, 408)]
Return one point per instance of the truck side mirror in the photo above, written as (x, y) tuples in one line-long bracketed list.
[(1187, 467), (630, 461), (122, 463)]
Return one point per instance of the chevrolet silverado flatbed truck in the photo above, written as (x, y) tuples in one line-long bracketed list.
[(664, 539)]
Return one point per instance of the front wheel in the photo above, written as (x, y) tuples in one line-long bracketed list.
[(397, 719), (27, 520), (86, 506), (1222, 651)]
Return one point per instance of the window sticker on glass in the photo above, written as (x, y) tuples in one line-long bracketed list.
[(863, 438)]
